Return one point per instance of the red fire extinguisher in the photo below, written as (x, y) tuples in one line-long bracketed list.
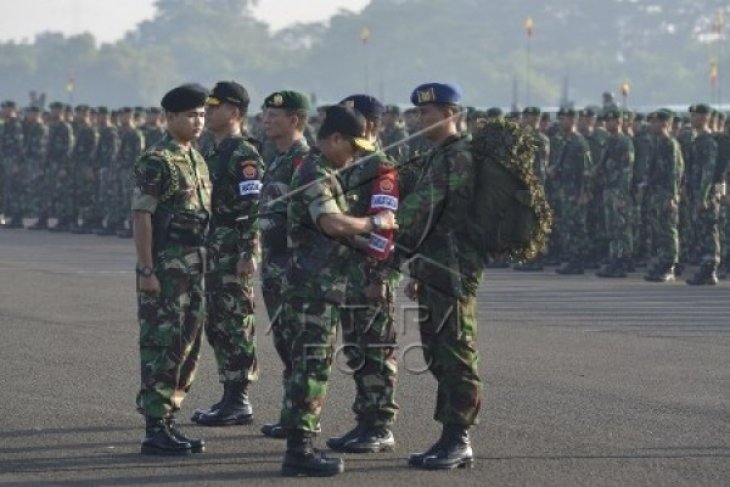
[(385, 196)]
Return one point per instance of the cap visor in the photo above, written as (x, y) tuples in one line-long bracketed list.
[(364, 144)]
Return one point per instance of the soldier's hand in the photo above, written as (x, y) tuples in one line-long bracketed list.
[(388, 219), (376, 292), (246, 267), (412, 290), (149, 285)]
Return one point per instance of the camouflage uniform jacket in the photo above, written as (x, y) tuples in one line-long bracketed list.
[(616, 165), (276, 181), (235, 168), (173, 181), (86, 140), (108, 146), (60, 143), (435, 217), (704, 160), (665, 168), (358, 185), (11, 146), (572, 164), (315, 269), (35, 142)]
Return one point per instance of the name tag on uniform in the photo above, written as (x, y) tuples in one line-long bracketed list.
[(247, 188), (384, 202)]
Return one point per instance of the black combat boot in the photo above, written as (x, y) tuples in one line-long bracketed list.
[(198, 412), (662, 273), (40, 224), (159, 440), (235, 409), (416, 459), (706, 276), (302, 459), (364, 438), (455, 450), (571, 269), (197, 445)]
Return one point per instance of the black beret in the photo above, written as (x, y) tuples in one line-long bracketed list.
[(531, 111), (664, 114), (183, 98), (494, 112), (701, 108), (125, 110), (346, 121), (229, 92), (368, 105), (102, 110)]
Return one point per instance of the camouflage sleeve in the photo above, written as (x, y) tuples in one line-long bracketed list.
[(627, 165), (449, 175), (708, 156), (247, 170), (149, 175), (318, 196)]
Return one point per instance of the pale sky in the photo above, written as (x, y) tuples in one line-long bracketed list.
[(108, 20)]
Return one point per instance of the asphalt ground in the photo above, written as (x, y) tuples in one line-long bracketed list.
[(588, 382)]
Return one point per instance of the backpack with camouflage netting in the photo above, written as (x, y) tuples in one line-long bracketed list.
[(510, 214)]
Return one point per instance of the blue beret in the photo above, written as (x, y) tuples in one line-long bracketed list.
[(442, 93), (369, 106)]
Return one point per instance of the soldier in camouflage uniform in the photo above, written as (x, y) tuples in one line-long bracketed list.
[(131, 143), (642, 149), (662, 188), (531, 120), (153, 129), (86, 171), (171, 205), (394, 137), (285, 115), (614, 171), (35, 141), (13, 166), (446, 272), (316, 281), (571, 166), (60, 171), (597, 245), (368, 317), (236, 169), (705, 186), (106, 155)]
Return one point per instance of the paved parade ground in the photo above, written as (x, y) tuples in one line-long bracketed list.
[(588, 382)]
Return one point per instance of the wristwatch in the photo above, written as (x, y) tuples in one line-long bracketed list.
[(377, 222), (145, 271)]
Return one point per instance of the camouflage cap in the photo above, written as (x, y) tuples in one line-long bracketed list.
[(287, 100), (612, 114), (567, 112), (701, 109)]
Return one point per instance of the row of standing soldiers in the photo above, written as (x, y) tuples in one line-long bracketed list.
[(629, 190), (74, 166)]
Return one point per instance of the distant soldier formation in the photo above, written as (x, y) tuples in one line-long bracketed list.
[(330, 211)]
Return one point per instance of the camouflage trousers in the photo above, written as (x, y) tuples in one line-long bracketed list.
[(707, 232), (230, 326), (572, 225), (597, 247), (170, 336), (617, 209), (663, 220), (312, 353), (63, 191), (448, 327), (687, 238), (272, 289), (84, 186), (369, 345), (15, 188), (118, 197), (639, 228)]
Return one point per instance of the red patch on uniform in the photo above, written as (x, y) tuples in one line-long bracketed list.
[(386, 185), (298, 163), (249, 170)]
